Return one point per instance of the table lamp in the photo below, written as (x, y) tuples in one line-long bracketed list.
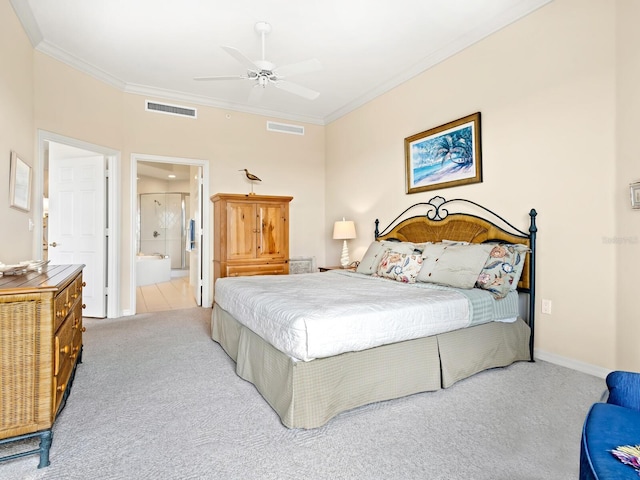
[(344, 230)]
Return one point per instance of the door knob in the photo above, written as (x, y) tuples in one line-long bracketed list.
[(54, 244)]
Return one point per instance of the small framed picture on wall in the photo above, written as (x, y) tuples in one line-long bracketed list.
[(635, 195), (19, 184)]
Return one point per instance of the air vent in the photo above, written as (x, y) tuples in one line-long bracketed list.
[(285, 128), (171, 109)]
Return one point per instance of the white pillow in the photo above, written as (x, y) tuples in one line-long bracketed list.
[(452, 264), (369, 263)]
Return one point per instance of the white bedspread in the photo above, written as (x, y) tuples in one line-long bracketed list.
[(318, 315)]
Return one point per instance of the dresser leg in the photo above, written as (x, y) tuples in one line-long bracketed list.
[(45, 444)]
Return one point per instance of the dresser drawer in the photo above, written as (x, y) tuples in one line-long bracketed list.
[(63, 346), (61, 384), (77, 330), (66, 299), (62, 307), (64, 357), (75, 289), (266, 269)]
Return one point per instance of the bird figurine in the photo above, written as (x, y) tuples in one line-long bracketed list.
[(252, 178)]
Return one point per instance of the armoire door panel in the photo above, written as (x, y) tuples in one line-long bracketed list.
[(241, 233), (272, 225)]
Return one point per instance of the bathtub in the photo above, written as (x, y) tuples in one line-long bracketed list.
[(151, 269)]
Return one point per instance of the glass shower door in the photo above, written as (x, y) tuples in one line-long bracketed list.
[(162, 226)]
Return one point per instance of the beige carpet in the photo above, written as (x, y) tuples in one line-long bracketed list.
[(157, 399)]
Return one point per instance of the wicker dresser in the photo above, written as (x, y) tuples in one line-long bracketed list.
[(40, 346)]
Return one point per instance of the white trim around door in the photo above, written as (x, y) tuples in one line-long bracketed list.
[(205, 250), (113, 210)]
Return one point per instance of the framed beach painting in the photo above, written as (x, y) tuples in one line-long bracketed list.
[(19, 183), (445, 156)]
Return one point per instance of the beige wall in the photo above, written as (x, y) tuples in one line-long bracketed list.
[(545, 87), (627, 240), (16, 131)]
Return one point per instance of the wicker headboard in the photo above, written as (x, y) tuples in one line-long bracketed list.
[(438, 223)]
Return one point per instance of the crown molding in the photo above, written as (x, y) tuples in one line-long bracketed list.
[(28, 21), (78, 64)]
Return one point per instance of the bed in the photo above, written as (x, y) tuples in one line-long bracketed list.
[(304, 346)]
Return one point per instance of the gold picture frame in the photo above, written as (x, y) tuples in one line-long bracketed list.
[(444, 156), (19, 183)]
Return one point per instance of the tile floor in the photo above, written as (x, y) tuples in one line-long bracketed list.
[(158, 297)]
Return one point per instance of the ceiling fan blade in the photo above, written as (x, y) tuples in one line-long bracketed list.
[(306, 66), (223, 77), (240, 57), (296, 89)]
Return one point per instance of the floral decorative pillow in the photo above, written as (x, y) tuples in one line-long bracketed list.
[(369, 263), (502, 271), (402, 267)]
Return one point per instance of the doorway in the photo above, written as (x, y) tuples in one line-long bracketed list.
[(80, 163), (170, 226)]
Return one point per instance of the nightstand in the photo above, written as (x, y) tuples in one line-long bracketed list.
[(337, 267)]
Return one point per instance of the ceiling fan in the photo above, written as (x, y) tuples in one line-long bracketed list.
[(263, 73)]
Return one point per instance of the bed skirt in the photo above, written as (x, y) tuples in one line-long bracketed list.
[(308, 394)]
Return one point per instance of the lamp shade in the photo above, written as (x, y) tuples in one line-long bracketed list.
[(344, 230)]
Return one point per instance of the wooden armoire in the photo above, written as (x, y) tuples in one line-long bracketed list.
[(251, 235)]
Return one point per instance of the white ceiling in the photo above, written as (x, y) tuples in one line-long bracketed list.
[(156, 47), (161, 171)]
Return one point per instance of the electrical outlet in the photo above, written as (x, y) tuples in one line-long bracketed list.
[(546, 307)]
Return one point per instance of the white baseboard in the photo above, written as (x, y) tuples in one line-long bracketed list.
[(571, 363)]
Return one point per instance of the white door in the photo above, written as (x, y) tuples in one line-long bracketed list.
[(77, 219)]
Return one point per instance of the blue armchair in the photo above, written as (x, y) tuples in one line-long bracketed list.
[(609, 425)]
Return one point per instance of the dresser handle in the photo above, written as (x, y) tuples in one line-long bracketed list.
[(84, 284), (64, 350), (61, 388), (84, 306), (84, 329)]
